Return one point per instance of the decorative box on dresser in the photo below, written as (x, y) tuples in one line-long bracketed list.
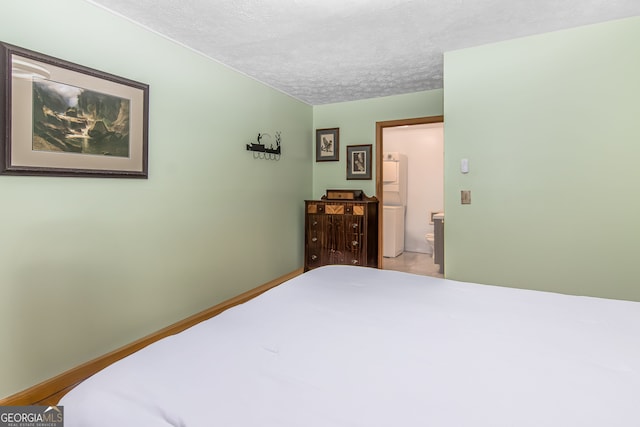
[(341, 228)]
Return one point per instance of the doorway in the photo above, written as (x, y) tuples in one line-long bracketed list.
[(414, 138)]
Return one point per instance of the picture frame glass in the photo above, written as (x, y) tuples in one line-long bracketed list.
[(327, 145), (358, 158)]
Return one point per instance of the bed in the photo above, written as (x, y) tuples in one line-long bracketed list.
[(355, 346)]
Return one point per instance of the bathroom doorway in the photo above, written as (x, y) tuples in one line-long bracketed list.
[(421, 141)]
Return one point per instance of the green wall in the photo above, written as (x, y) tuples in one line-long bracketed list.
[(550, 127), (88, 265), (357, 122), (548, 123)]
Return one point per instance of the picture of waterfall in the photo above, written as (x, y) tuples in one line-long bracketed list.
[(72, 119)]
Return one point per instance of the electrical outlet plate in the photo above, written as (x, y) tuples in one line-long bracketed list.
[(465, 197)]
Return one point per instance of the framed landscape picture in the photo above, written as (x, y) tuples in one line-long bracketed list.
[(64, 119), (327, 145)]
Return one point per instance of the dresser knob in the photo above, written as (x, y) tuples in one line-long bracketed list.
[(315, 222), (354, 225), (354, 243), (354, 261), (314, 239), (314, 257)]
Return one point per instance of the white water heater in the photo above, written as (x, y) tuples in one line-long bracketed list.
[(394, 199), (394, 179)]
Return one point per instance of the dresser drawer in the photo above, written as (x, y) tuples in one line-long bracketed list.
[(315, 230), (335, 209), (331, 209), (315, 208)]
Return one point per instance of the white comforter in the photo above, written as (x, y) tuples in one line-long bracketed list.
[(353, 346)]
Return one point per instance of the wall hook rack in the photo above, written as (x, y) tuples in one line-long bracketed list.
[(260, 150)]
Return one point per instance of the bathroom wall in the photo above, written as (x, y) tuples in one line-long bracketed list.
[(550, 127), (88, 265), (423, 145)]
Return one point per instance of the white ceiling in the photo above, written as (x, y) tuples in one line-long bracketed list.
[(325, 51)]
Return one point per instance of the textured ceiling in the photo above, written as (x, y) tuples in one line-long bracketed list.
[(325, 51)]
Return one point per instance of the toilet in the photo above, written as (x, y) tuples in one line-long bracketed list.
[(429, 237)]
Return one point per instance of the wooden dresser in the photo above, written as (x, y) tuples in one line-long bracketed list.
[(341, 230)]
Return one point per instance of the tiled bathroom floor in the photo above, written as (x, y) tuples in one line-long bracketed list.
[(412, 262)]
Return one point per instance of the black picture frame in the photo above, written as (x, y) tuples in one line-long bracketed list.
[(359, 161), (63, 119), (328, 145)]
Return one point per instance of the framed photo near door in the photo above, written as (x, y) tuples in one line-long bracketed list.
[(359, 161)]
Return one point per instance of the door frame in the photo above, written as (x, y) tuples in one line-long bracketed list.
[(378, 153)]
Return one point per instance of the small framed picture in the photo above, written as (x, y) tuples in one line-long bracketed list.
[(327, 145), (359, 161)]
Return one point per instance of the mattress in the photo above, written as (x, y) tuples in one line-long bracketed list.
[(352, 346)]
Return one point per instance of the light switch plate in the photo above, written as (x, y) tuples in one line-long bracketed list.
[(464, 165)]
